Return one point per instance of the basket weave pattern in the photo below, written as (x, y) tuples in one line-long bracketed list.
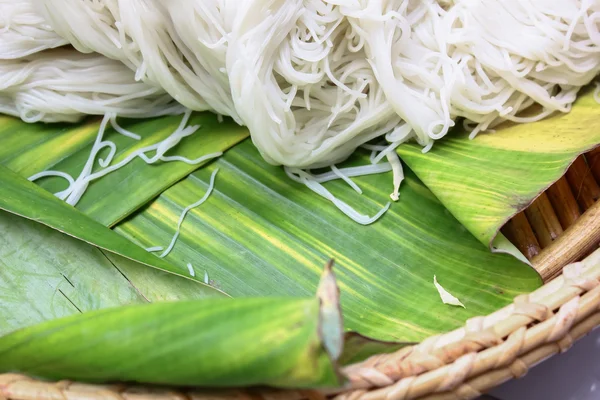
[(488, 350), (464, 363)]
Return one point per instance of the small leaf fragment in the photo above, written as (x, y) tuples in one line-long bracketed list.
[(330, 321), (446, 296)]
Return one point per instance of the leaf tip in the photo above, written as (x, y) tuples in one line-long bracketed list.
[(331, 322)]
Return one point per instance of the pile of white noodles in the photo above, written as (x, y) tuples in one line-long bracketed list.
[(311, 79)]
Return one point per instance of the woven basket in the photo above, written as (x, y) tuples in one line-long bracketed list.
[(557, 229)]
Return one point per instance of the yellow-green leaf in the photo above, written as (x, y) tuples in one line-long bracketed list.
[(31, 148), (214, 342), (45, 275), (485, 181), (23, 198), (260, 234)]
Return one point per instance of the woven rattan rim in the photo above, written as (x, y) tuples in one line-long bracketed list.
[(461, 364)]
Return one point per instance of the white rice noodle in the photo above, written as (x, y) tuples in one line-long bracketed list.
[(346, 179), (44, 174), (315, 79), (191, 269), (202, 30), (23, 31), (115, 125), (484, 60), (301, 84), (65, 85), (159, 148), (394, 161), (387, 31), (350, 172), (309, 181), (187, 209), (312, 79), (138, 33), (81, 183), (154, 249), (77, 187)]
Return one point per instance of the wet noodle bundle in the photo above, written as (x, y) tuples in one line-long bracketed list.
[(312, 80)]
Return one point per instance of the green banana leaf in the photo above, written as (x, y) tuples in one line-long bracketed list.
[(485, 181), (262, 234), (24, 198), (45, 275), (213, 342), (31, 148)]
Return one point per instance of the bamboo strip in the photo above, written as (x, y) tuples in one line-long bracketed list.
[(582, 183), (563, 202), (575, 242), (593, 158), (518, 231), (543, 220)]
